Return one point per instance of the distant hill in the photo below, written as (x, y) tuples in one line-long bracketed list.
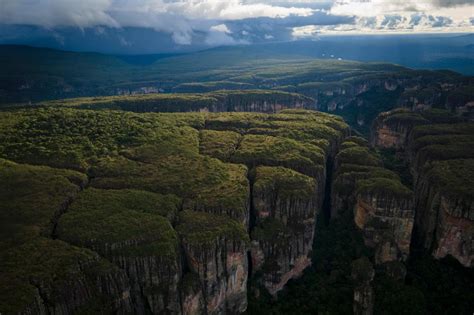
[(35, 74)]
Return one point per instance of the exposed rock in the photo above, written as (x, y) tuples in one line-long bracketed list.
[(216, 250), (385, 214), (441, 158), (445, 217), (46, 276), (130, 229), (383, 207), (286, 206), (192, 296), (391, 129)]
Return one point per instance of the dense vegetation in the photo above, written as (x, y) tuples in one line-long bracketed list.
[(127, 186), (97, 190), (357, 91)]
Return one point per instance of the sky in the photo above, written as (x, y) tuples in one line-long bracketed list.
[(192, 24)]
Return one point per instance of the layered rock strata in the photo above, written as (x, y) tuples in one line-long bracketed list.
[(165, 213), (439, 150), (383, 207)]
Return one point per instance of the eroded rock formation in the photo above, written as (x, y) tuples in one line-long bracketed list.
[(167, 214), (438, 148), (383, 207)]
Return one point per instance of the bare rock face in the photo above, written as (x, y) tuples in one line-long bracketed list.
[(439, 149), (285, 209), (363, 274), (192, 296), (216, 251), (445, 220), (41, 275), (386, 220), (383, 207), (391, 129)]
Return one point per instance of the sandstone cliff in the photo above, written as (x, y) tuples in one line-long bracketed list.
[(171, 213), (285, 208), (440, 157), (216, 251), (383, 207)]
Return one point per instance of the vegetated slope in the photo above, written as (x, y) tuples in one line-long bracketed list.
[(136, 215), (355, 90), (218, 101)]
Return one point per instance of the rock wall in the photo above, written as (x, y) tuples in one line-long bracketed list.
[(285, 208), (383, 207), (387, 222), (215, 248), (445, 218), (441, 161)]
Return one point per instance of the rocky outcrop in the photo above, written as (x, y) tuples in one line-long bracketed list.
[(285, 208), (163, 218), (440, 157), (383, 207), (384, 211), (391, 129), (445, 210), (72, 280), (191, 295), (216, 251)]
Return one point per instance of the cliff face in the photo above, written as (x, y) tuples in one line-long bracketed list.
[(285, 208), (441, 163), (391, 129), (135, 237), (42, 275), (386, 218), (445, 220), (383, 207), (216, 251), (174, 213), (263, 101)]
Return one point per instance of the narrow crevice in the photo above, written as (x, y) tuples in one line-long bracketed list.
[(64, 208), (249, 263), (326, 206)]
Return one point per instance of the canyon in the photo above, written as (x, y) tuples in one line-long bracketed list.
[(212, 201)]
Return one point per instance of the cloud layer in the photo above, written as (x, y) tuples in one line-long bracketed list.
[(227, 22)]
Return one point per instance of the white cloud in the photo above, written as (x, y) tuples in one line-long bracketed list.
[(51, 13), (186, 19), (180, 18), (401, 16), (220, 35), (220, 28)]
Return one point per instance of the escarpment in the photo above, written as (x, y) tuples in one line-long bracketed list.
[(439, 151), (285, 208), (157, 213), (383, 206), (264, 101), (215, 250)]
